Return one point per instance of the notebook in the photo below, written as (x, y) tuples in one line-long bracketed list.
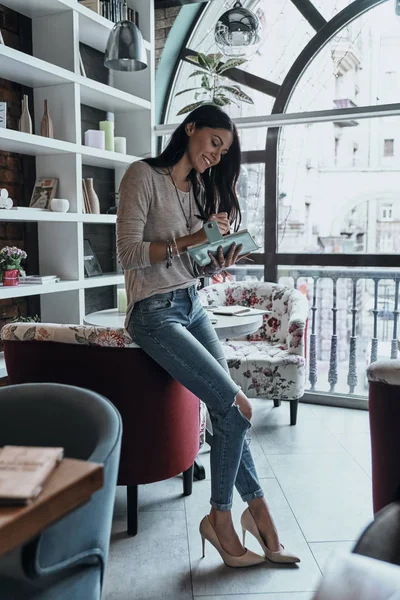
[(24, 470)]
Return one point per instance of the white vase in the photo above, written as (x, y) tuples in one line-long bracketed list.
[(59, 205), (25, 121), (93, 197)]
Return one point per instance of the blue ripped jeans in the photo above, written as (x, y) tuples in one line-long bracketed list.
[(175, 330)]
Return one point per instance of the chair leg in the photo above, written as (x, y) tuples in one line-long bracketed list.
[(132, 503), (199, 471), (277, 403), (188, 481), (293, 411)]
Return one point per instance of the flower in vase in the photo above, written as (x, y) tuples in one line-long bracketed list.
[(10, 258)]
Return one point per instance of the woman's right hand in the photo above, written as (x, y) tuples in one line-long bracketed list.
[(222, 222)]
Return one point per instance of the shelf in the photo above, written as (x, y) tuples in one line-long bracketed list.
[(33, 72), (33, 216), (39, 8), (105, 219), (104, 158), (101, 96), (93, 28), (27, 143), (30, 71), (32, 289), (103, 280)]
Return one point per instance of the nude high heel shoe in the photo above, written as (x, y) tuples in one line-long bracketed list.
[(281, 556), (247, 559)]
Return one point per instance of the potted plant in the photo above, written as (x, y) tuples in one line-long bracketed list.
[(10, 264), (213, 86)]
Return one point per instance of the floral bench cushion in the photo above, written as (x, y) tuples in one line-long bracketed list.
[(68, 334), (266, 370)]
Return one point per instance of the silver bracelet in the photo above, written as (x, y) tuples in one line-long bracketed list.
[(169, 254), (175, 248)]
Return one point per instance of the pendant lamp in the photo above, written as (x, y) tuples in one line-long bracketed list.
[(125, 49), (238, 32)]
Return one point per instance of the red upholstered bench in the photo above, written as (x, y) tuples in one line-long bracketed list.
[(160, 417)]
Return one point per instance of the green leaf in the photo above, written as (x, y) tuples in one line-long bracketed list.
[(232, 63), (189, 107), (193, 58), (205, 82), (220, 102), (196, 73), (205, 62), (188, 90), (215, 58), (237, 92)]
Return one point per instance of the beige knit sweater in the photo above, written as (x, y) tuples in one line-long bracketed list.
[(149, 211)]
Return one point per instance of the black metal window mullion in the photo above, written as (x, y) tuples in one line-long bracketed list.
[(310, 13)]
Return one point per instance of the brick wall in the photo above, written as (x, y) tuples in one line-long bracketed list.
[(164, 19), (17, 172)]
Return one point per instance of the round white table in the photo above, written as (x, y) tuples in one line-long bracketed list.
[(227, 327)]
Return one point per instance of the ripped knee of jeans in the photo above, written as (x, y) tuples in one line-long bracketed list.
[(240, 409)]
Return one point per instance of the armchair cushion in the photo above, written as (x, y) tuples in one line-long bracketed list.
[(266, 370)]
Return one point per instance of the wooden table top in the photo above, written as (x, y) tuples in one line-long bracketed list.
[(70, 484)]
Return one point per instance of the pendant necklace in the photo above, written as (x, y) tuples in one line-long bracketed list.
[(188, 219)]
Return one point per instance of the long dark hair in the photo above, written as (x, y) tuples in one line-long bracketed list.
[(219, 182)]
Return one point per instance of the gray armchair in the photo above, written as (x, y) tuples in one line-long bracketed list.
[(67, 560)]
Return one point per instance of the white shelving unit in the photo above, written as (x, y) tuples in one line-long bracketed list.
[(53, 72)]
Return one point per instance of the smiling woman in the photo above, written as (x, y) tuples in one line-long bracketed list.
[(163, 204)]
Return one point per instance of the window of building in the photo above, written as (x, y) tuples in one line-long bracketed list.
[(386, 241), (388, 147), (386, 212)]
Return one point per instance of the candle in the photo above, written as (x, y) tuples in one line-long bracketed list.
[(121, 300), (120, 144), (108, 128), (95, 138)]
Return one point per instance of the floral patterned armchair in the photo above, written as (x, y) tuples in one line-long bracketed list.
[(271, 362)]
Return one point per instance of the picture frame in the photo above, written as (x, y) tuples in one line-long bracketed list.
[(91, 264), (43, 192)]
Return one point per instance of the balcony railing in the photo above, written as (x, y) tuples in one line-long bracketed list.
[(345, 103), (353, 321), (367, 300)]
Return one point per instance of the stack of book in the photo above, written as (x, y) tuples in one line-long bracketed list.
[(114, 10), (24, 470), (40, 279)]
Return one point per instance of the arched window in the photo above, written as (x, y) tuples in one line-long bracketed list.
[(321, 165)]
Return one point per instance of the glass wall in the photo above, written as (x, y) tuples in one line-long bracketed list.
[(337, 182)]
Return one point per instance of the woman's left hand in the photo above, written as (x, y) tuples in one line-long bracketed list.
[(222, 262)]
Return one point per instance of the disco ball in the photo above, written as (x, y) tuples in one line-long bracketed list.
[(238, 32)]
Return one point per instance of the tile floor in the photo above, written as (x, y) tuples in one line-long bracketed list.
[(317, 480)]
